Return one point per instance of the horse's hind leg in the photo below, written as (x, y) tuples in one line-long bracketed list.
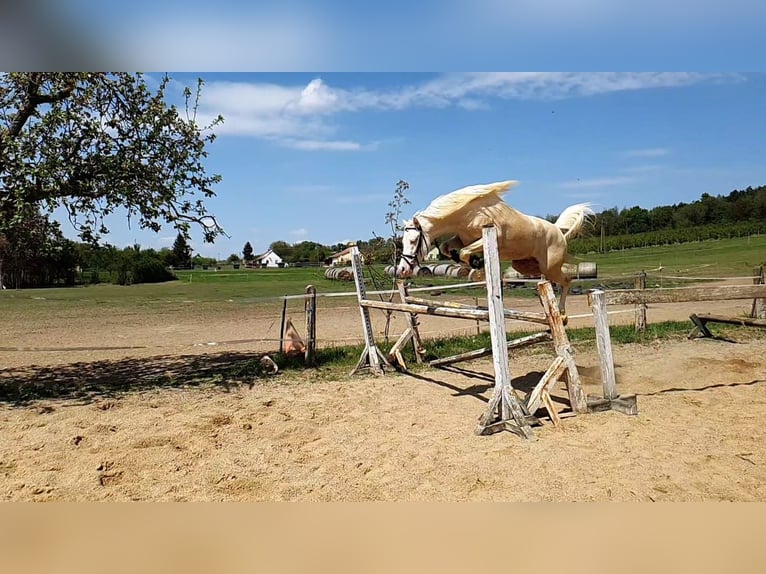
[(473, 254)]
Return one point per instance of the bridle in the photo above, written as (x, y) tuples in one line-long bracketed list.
[(412, 260)]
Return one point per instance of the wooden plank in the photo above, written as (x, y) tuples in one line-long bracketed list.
[(508, 313), (682, 294), (603, 343), (554, 372), (427, 310), (743, 321), (484, 351), (562, 346)]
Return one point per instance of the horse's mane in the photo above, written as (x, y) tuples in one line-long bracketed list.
[(449, 203)]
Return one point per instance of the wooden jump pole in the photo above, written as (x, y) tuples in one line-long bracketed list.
[(504, 411), (611, 399)]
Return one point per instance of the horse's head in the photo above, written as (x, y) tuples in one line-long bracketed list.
[(414, 248)]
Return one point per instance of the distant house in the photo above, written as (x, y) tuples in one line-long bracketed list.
[(268, 259), (342, 258)]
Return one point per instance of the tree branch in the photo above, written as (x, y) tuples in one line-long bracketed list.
[(34, 99)]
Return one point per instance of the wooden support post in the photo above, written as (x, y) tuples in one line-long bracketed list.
[(759, 304), (611, 400), (641, 307), (505, 411), (371, 356), (412, 323), (310, 307), (563, 348), (282, 327)]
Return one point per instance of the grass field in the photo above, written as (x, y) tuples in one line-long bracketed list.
[(715, 258)]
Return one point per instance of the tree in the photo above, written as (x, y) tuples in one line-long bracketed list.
[(247, 252), (181, 252), (233, 258), (92, 142)]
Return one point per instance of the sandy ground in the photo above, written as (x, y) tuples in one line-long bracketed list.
[(698, 434)]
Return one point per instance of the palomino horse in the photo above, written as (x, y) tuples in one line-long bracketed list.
[(534, 246)]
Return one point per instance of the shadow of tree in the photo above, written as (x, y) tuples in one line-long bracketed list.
[(88, 381)]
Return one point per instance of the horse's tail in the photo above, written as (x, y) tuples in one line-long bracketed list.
[(573, 219)]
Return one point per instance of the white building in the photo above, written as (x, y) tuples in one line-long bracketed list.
[(269, 259)]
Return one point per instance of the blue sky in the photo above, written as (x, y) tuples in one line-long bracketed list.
[(316, 156)]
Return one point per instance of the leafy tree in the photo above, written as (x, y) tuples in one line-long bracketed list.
[(92, 142), (247, 252), (283, 249), (233, 258)]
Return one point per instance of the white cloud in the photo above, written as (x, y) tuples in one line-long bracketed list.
[(304, 116), (597, 182), (321, 145), (645, 168), (647, 152), (299, 233)]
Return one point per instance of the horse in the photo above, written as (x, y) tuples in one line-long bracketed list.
[(534, 246)]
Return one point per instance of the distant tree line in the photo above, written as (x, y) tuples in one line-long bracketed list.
[(740, 213), (34, 252)]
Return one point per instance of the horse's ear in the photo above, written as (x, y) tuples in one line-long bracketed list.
[(415, 222)]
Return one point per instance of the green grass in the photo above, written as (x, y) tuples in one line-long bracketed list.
[(211, 289), (713, 258)]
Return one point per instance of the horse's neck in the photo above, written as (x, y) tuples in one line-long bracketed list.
[(432, 228), (466, 220)]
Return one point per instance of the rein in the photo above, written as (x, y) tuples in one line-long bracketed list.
[(412, 260)]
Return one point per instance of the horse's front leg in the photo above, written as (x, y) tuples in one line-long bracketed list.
[(473, 254), (564, 284)]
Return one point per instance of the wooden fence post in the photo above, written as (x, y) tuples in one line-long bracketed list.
[(759, 305), (641, 307), (282, 327), (310, 307)]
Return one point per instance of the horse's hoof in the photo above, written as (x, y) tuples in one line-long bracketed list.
[(476, 262), (564, 319), (455, 255)]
